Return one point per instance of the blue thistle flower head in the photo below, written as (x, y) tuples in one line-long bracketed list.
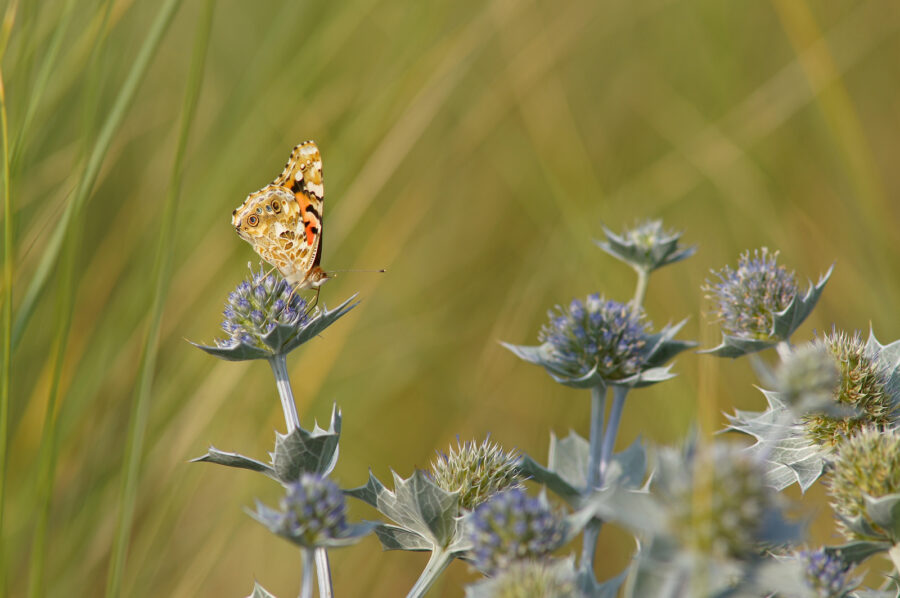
[(256, 306), (314, 510), (313, 514), (747, 298), (759, 303), (827, 574), (596, 335), (512, 527), (601, 341), (647, 246), (265, 317)]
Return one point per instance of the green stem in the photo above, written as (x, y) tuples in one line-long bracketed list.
[(592, 530), (640, 291), (436, 565), (279, 368), (306, 584)]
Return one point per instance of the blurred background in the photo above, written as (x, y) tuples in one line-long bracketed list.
[(473, 149)]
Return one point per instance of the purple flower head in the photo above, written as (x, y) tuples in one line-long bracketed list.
[(512, 527), (748, 298), (827, 574), (314, 510), (596, 335), (254, 308)]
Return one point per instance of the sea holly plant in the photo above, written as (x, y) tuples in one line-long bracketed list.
[(427, 510), (715, 515), (708, 517), (312, 516), (645, 248), (597, 344), (865, 490), (266, 319), (296, 453), (424, 517), (759, 304), (823, 393)]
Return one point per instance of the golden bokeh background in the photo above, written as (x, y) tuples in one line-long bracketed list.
[(471, 148)]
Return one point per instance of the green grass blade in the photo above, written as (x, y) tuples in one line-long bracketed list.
[(43, 77), (47, 457), (95, 161), (162, 269), (6, 370)]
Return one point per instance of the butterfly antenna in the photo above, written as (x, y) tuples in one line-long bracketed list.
[(381, 271)]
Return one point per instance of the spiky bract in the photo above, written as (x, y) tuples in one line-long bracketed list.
[(476, 471), (868, 464)]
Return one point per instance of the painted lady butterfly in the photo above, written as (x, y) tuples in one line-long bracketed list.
[(283, 220)]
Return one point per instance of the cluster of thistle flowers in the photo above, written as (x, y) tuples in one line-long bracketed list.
[(833, 414), (833, 410), (596, 335), (509, 535), (257, 306)]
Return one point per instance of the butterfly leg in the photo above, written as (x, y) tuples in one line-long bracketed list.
[(314, 303)]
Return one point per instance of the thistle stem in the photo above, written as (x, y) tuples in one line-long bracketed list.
[(279, 368), (306, 584), (323, 573), (436, 565), (592, 530), (292, 421), (640, 290), (612, 428)]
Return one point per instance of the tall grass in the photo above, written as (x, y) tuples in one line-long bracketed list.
[(473, 149), (8, 260)]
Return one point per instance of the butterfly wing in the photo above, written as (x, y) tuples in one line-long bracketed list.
[(303, 176), (283, 221)]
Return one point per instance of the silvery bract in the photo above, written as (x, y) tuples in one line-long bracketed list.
[(646, 247), (600, 341), (298, 452), (792, 443), (424, 516)]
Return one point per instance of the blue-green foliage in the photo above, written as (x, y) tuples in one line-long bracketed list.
[(707, 515)]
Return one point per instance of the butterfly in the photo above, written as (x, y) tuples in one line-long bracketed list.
[(283, 220)]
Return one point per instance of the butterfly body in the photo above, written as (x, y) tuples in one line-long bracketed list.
[(283, 220)]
